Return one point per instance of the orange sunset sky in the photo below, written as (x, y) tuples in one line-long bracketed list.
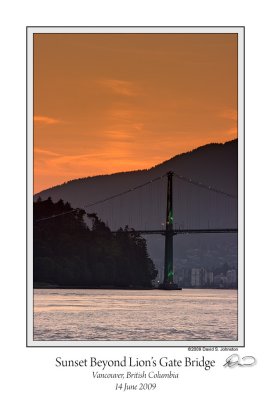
[(105, 103)]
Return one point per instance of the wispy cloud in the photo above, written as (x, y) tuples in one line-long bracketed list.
[(120, 136), (45, 152), (120, 87), (46, 120)]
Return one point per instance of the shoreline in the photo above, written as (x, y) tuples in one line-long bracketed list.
[(123, 288)]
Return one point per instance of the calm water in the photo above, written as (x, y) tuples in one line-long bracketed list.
[(84, 314)]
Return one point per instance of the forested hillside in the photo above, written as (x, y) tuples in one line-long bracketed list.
[(69, 254)]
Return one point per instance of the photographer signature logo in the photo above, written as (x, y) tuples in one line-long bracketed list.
[(235, 360)]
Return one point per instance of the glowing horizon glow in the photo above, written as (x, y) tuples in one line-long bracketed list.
[(106, 103)]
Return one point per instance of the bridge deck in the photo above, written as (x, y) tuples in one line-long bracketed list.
[(181, 231)]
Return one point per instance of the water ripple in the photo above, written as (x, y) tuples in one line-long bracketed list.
[(192, 314)]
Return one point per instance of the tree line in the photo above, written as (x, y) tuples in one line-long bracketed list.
[(69, 252)]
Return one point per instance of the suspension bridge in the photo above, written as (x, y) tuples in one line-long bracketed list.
[(168, 205)]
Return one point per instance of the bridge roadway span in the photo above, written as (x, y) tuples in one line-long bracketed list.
[(180, 231)]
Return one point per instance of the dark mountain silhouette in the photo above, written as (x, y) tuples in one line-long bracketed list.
[(214, 165)]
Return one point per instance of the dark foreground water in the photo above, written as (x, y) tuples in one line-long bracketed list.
[(90, 314)]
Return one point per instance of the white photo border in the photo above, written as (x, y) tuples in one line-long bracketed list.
[(240, 31)]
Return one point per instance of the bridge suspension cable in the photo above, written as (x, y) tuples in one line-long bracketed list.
[(104, 200), (101, 201), (57, 215), (204, 186), (125, 192)]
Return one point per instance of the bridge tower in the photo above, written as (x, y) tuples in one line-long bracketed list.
[(168, 266)]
